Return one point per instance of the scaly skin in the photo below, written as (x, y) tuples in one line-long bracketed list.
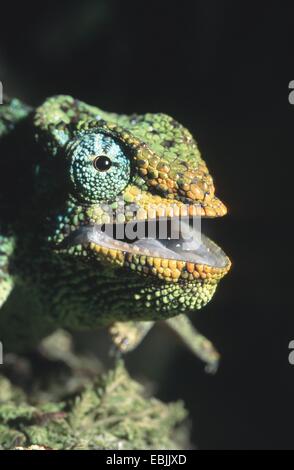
[(52, 184)]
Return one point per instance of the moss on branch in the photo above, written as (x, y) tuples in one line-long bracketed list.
[(112, 412)]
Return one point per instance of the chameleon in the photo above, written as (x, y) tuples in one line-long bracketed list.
[(73, 179)]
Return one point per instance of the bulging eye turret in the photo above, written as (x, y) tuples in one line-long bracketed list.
[(100, 167)]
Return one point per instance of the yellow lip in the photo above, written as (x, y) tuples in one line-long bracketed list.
[(169, 270), (154, 205)]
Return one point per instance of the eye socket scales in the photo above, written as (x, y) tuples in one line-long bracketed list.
[(99, 166)]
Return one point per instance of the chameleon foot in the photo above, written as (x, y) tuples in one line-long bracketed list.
[(196, 342), (127, 335), (6, 281)]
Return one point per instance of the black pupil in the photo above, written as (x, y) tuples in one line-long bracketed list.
[(102, 163)]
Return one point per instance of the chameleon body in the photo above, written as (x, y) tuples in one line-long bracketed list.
[(71, 172)]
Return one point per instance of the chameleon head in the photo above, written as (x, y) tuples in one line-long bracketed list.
[(124, 178)]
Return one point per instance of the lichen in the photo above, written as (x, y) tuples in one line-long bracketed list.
[(110, 413)]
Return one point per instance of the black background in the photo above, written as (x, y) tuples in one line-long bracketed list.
[(221, 68)]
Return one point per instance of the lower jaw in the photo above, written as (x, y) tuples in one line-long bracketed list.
[(164, 269)]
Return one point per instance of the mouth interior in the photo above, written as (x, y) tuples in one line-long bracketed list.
[(180, 240)]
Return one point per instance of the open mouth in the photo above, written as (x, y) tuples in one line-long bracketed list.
[(171, 239)]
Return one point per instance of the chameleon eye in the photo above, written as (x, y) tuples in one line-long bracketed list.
[(99, 166), (102, 163)]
